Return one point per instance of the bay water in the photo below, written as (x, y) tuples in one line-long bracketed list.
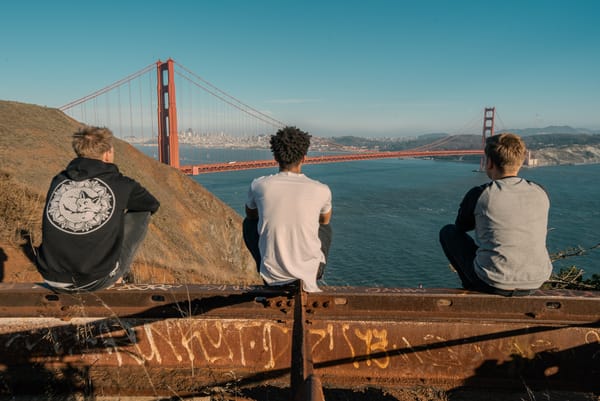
[(387, 213)]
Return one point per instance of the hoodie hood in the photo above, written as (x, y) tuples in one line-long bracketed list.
[(82, 168)]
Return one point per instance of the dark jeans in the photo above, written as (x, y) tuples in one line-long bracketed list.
[(134, 231), (460, 249), (250, 232)]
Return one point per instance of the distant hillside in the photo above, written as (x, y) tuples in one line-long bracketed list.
[(193, 238), (572, 154), (386, 144), (560, 140), (552, 129)]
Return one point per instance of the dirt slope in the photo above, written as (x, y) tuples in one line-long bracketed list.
[(193, 238)]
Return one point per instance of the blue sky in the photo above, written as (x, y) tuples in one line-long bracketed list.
[(371, 68)]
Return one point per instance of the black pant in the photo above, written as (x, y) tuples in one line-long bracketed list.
[(251, 237), (460, 249)]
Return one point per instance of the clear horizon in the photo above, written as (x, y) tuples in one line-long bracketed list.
[(379, 69)]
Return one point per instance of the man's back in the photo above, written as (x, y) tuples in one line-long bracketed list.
[(83, 220), (289, 206), (511, 218)]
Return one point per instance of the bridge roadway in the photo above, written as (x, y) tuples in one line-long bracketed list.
[(254, 164), (179, 340)]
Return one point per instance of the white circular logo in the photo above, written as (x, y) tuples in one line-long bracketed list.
[(80, 207)]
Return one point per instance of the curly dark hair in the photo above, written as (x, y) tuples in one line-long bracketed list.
[(289, 145)]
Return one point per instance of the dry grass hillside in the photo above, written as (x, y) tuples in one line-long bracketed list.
[(193, 238)]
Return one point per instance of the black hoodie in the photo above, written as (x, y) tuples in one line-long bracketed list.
[(82, 227)]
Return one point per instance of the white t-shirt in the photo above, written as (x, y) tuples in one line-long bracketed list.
[(289, 206)]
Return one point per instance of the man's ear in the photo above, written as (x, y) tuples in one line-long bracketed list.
[(109, 156)]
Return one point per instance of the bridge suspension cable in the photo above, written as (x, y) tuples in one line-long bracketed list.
[(108, 88), (127, 106), (501, 126), (227, 98)]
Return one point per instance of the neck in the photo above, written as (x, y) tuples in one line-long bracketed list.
[(295, 170), (497, 174)]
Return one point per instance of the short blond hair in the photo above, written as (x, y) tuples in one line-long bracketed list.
[(507, 151), (92, 142)]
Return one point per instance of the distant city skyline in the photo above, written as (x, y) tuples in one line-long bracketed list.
[(379, 68)]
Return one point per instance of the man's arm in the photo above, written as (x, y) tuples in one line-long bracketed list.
[(140, 200), (324, 218), (252, 214), (465, 220)]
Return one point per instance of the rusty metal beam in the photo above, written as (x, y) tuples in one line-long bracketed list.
[(165, 340), (305, 385)]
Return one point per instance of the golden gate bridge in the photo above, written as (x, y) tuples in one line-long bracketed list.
[(145, 109)]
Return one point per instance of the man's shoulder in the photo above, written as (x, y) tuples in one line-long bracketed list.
[(537, 186), (261, 180), (519, 184), (316, 182), (477, 190), (317, 186), (119, 182)]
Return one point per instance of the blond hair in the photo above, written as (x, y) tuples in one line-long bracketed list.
[(506, 151), (92, 142)]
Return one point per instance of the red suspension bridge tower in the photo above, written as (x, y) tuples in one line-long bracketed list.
[(488, 130), (168, 141)]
